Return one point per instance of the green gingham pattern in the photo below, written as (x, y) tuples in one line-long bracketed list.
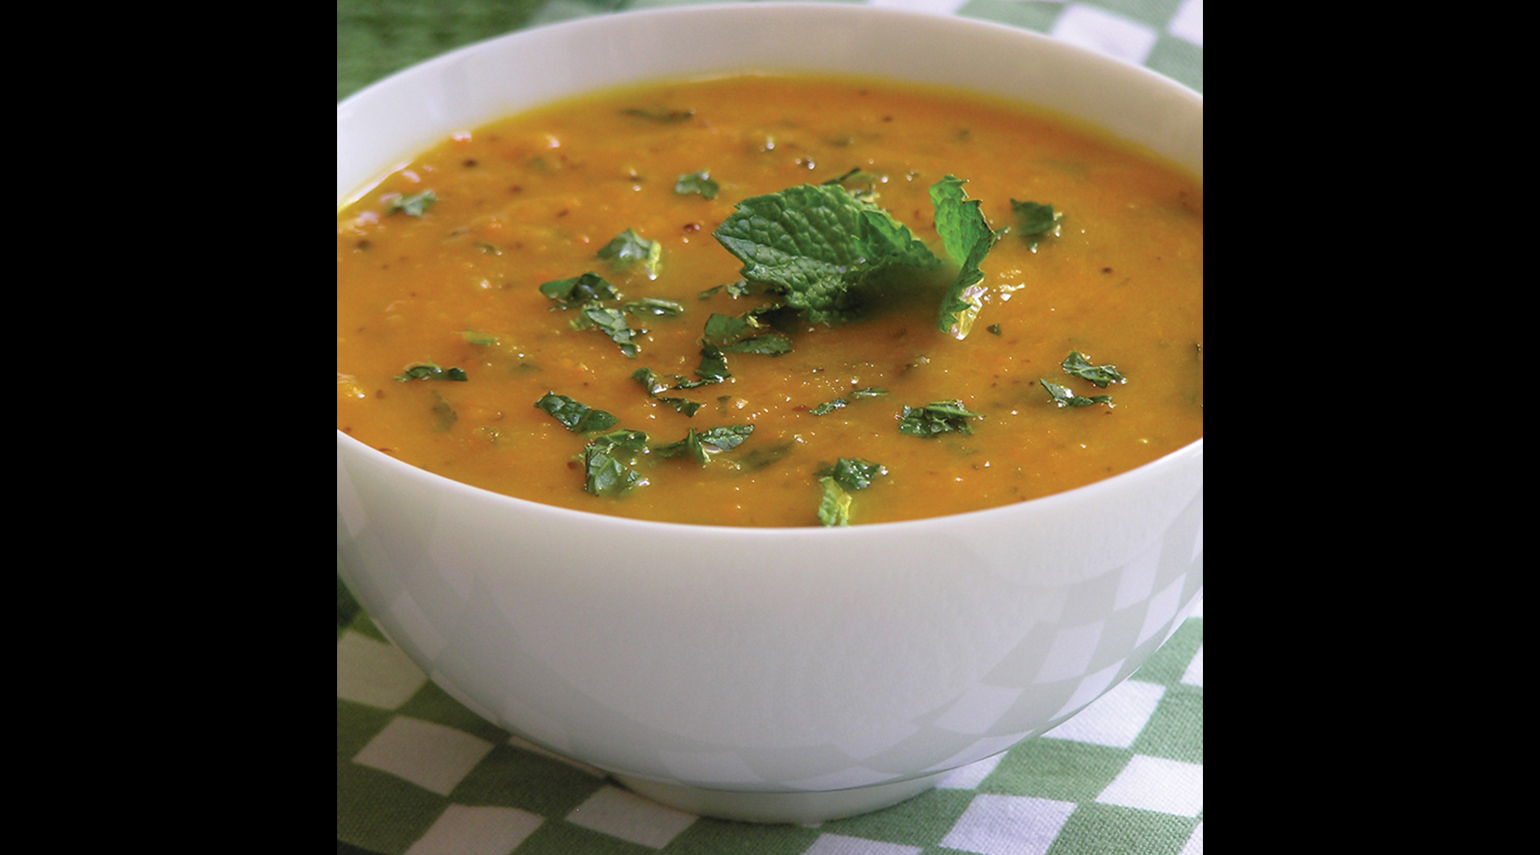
[(418, 773)]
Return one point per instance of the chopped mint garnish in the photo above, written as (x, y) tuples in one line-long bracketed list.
[(722, 330), (414, 206), (838, 403), (604, 473), (579, 290), (834, 507), (655, 307), (713, 368), (1034, 222), (576, 417), (611, 321), (654, 384), (967, 237), (932, 420), (628, 250), (696, 182), (1063, 397), (429, 371), (1076, 365), (854, 474), (702, 446), (773, 344)]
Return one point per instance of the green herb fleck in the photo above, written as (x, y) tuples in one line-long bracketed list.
[(932, 420), (1076, 365), (701, 447), (576, 417), (655, 307), (414, 206), (429, 371), (1063, 397), (696, 182), (1034, 221), (967, 237), (760, 458), (723, 330), (654, 383), (579, 290), (713, 368), (834, 507), (853, 473), (604, 474), (773, 344), (480, 339), (628, 250), (839, 403), (611, 321)]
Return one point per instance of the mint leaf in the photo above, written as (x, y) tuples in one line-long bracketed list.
[(741, 288), (696, 182), (1033, 221), (655, 307), (414, 206), (834, 507), (932, 420), (1063, 397), (713, 368), (611, 321), (650, 380), (654, 384), (817, 245), (854, 473), (967, 238), (703, 446), (840, 403), (773, 344), (1076, 365), (627, 250), (723, 330), (604, 473), (429, 371), (579, 290), (576, 417)]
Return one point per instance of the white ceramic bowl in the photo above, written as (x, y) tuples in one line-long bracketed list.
[(769, 674)]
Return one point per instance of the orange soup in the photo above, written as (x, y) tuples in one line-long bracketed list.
[(774, 301)]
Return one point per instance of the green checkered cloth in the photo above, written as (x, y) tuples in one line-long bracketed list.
[(418, 773)]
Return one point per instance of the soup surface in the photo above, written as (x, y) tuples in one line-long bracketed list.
[(543, 307)]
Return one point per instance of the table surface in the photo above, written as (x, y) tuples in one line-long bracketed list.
[(417, 773)]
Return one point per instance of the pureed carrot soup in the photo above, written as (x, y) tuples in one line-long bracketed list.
[(774, 301)]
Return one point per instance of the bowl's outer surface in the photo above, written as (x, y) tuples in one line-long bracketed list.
[(783, 660)]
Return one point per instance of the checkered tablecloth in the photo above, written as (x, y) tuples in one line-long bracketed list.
[(418, 773)]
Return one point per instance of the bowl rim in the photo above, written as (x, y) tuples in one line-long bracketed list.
[(1187, 455)]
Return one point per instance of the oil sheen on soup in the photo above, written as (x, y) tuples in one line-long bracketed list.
[(774, 301)]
